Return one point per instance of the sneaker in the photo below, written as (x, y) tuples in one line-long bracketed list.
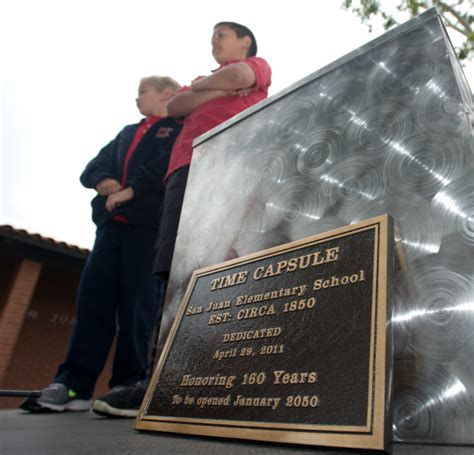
[(31, 404), (57, 397), (123, 402)]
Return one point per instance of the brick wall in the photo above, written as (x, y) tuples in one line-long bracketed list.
[(14, 309), (43, 333)]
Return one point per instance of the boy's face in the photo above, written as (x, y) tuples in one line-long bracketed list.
[(226, 45), (149, 100)]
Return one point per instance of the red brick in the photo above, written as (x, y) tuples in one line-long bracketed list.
[(14, 310)]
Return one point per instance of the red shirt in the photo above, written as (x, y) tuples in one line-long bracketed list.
[(145, 125), (213, 112)]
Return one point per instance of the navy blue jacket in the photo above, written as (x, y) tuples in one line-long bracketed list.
[(146, 170)]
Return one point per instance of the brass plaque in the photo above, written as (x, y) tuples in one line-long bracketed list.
[(288, 345)]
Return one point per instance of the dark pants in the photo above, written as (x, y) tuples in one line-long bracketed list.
[(169, 221), (117, 292)]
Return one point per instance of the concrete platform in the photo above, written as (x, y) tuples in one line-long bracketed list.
[(85, 433)]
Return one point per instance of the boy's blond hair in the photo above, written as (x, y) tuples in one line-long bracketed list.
[(160, 83)]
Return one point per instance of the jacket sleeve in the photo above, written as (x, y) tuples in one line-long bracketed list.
[(102, 166), (149, 177)]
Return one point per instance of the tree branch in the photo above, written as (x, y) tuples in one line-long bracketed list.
[(453, 26), (447, 8)]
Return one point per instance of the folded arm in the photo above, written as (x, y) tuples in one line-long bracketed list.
[(101, 167), (224, 82), (231, 77), (101, 172), (184, 103)]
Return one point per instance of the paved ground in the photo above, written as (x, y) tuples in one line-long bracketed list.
[(86, 433)]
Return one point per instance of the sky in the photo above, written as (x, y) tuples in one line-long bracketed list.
[(70, 72)]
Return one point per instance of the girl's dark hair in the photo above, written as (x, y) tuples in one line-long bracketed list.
[(242, 31)]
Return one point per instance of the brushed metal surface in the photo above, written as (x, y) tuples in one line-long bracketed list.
[(383, 130)]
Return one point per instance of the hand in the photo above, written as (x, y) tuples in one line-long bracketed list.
[(117, 199), (108, 186), (243, 91)]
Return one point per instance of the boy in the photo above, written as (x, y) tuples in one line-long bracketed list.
[(117, 286), (241, 81)]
